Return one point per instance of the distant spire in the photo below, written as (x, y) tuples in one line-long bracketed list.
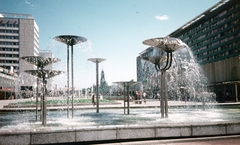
[(102, 80)]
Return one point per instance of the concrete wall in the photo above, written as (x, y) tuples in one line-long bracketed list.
[(121, 132), (223, 70)]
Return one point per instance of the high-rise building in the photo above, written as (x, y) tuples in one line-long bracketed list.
[(19, 36), (214, 38)]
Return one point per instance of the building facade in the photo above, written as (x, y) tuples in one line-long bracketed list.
[(19, 36), (214, 38), (7, 80)]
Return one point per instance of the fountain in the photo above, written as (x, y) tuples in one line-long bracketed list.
[(126, 84), (144, 122), (70, 40), (97, 61), (41, 62), (169, 45)]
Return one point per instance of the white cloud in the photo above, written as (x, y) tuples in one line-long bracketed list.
[(27, 2), (162, 18)]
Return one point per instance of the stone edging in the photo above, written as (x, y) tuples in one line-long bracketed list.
[(121, 133)]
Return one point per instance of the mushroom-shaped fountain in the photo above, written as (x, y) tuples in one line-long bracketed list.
[(70, 40), (41, 62), (97, 61), (168, 45), (126, 84)]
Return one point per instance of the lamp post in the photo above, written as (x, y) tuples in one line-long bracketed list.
[(97, 61), (70, 40)]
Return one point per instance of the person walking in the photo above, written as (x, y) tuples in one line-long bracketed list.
[(144, 97), (93, 99)]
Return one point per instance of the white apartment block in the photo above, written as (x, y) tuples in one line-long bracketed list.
[(19, 36)]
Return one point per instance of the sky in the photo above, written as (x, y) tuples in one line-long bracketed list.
[(115, 30)]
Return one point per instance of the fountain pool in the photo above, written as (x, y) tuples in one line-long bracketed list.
[(20, 121)]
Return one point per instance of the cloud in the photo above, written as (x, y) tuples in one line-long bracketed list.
[(162, 18), (28, 3)]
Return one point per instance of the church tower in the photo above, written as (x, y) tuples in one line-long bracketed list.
[(102, 80), (104, 89)]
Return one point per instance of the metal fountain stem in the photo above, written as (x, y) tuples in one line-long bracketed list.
[(97, 61), (70, 40)]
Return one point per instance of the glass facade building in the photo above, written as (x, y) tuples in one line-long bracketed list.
[(214, 38)]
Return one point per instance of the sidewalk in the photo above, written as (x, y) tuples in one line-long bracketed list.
[(220, 140)]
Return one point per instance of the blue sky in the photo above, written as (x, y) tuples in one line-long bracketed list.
[(115, 30)]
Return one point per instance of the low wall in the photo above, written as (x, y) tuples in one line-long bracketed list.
[(121, 132)]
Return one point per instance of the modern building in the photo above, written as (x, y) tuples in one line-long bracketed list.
[(19, 36), (7, 81), (214, 38)]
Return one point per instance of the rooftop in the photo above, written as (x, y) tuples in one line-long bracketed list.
[(222, 2), (12, 15)]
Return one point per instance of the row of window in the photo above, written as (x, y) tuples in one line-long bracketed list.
[(228, 46), (217, 56), (214, 41), (9, 61), (8, 37), (9, 67), (9, 25), (8, 31), (9, 49), (214, 31), (211, 20), (9, 55), (9, 43)]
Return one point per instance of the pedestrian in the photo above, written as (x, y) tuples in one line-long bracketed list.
[(158, 96), (140, 97), (144, 97), (93, 99)]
